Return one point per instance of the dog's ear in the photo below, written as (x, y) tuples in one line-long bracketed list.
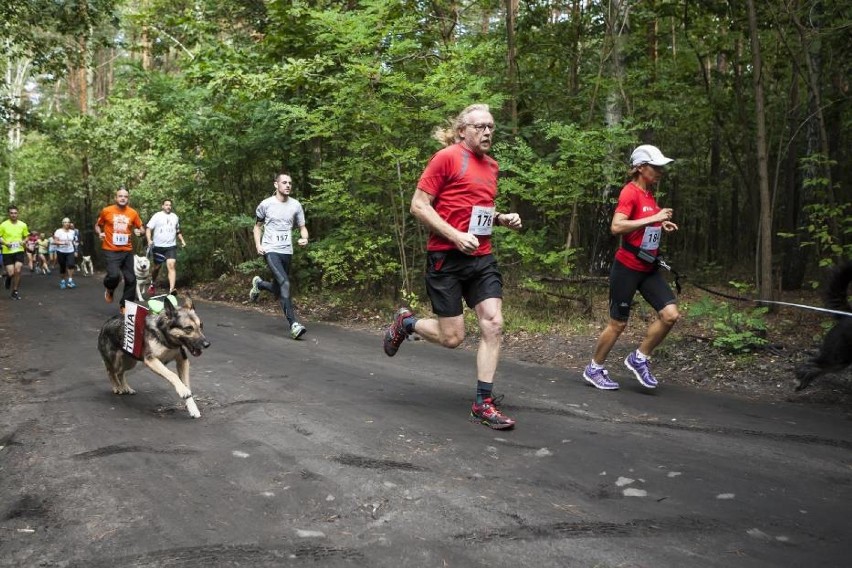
[(169, 308), (187, 303)]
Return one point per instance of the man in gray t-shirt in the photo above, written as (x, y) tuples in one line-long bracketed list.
[(276, 218)]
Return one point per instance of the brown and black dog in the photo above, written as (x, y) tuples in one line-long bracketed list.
[(168, 336)]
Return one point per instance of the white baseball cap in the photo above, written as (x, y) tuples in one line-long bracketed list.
[(647, 154), (66, 220)]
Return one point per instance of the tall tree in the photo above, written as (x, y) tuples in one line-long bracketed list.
[(765, 234)]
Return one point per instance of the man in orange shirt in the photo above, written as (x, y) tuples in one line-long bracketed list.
[(114, 226)]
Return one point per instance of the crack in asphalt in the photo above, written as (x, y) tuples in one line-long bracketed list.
[(595, 529), (370, 463), (224, 555), (121, 449)]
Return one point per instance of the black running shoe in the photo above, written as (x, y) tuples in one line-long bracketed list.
[(395, 334), (15, 295), (486, 413)]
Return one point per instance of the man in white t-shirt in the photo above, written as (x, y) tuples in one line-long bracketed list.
[(63, 240), (276, 217), (163, 232)]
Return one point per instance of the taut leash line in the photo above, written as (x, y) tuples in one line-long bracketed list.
[(741, 299)]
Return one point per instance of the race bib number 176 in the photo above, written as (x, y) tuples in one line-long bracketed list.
[(481, 220)]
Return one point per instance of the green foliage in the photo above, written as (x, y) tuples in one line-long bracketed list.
[(830, 246), (411, 299), (345, 96), (736, 331)]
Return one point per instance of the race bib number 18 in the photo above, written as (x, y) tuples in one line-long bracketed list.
[(651, 238), (481, 220)]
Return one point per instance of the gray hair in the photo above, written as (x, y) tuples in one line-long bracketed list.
[(449, 134)]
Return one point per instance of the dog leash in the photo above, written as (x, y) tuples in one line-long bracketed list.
[(755, 301), (661, 262)]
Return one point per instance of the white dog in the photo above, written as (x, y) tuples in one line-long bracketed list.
[(142, 269), (86, 266)]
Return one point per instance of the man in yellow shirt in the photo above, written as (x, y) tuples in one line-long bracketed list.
[(13, 234)]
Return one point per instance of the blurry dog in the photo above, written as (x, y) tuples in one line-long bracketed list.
[(167, 337), (86, 266), (836, 351), (142, 269)]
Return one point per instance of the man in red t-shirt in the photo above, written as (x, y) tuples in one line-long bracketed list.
[(640, 222), (115, 226), (455, 200)]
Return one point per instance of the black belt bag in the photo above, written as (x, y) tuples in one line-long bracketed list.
[(646, 256), (640, 253)]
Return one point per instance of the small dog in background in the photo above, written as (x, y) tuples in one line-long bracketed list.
[(86, 266), (835, 354), (142, 269)]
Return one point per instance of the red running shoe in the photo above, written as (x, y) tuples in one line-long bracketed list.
[(486, 413), (395, 334)]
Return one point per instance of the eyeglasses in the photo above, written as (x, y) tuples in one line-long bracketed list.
[(482, 126)]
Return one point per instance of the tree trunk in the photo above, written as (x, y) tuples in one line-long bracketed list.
[(574, 65), (85, 77), (17, 73), (616, 30), (765, 233), (512, 63)]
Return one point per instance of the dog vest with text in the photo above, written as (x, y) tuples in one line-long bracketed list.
[(134, 329)]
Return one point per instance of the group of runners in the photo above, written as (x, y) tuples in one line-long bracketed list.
[(115, 223), (455, 199), (115, 226), (42, 254)]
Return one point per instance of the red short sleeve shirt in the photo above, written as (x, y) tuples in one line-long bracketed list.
[(460, 181), (637, 203)]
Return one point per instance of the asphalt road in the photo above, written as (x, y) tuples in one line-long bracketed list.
[(325, 452)]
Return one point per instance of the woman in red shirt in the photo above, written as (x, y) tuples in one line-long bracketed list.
[(640, 222)]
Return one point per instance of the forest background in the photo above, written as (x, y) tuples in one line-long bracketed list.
[(203, 101)]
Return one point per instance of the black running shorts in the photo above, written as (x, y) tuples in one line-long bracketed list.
[(9, 259), (623, 284), (161, 254), (452, 276)]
